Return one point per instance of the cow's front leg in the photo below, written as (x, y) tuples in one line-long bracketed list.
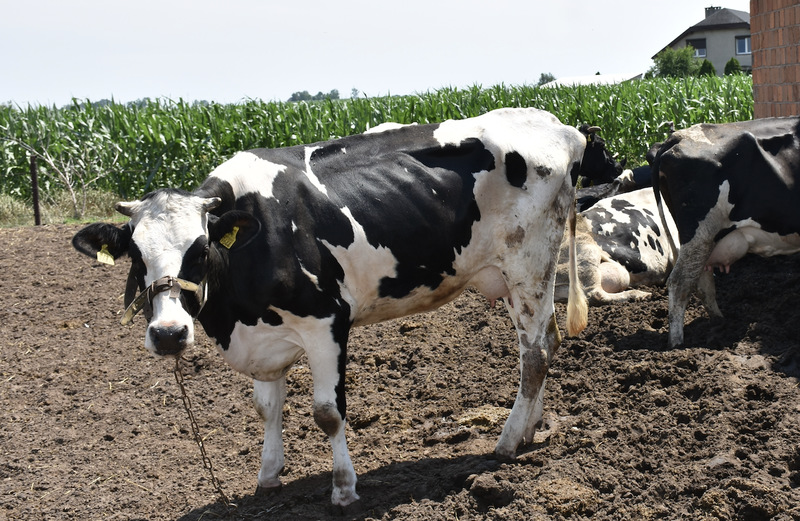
[(269, 398), (344, 475), (327, 360)]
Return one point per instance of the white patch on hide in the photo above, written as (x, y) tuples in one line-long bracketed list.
[(248, 173), (310, 174)]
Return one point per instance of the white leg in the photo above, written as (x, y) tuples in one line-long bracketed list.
[(536, 418), (269, 398), (535, 356), (683, 280), (329, 413)]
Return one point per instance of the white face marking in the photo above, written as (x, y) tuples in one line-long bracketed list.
[(164, 229), (310, 174), (247, 173)]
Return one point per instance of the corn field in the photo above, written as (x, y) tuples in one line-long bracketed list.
[(131, 149)]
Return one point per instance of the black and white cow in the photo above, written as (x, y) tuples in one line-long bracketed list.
[(732, 189), (620, 244), (627, 181), (281, 252)]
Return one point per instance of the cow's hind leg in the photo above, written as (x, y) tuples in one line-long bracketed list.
[(269, 398), (689, 274), (708, 294), (538, 341)]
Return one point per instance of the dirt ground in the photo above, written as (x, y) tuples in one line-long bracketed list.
[(93, 427)]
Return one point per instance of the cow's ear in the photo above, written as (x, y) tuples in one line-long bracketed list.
[(233, 230), (103, 241)]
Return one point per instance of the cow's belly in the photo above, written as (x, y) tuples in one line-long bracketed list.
[(420, 300), (488, 281)]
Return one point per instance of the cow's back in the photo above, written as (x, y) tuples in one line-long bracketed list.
[(402, 220)]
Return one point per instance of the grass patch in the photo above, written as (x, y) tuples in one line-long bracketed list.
[(59, 210)]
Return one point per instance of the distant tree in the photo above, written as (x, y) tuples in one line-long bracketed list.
[(305, 96), (300, 96), (545, 77), (707, 69), (733, 67), (674, 63), (354, 93)]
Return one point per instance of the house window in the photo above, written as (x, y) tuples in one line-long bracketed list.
[(699, 47), (743, 45)]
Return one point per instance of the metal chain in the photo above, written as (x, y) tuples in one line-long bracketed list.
[(196, 432)]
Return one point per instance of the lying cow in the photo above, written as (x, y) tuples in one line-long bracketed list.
[(620, 244), (281, 252), (732, 189)]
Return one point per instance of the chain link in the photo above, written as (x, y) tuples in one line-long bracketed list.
[(187, 404)]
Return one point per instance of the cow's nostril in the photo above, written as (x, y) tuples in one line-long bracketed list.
[(169, 340)]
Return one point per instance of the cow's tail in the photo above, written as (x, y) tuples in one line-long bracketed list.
[(673, 245), (577, 307)]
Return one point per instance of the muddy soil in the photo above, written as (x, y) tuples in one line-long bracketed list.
[(93, 427)]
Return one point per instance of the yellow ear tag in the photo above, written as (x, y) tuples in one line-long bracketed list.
[(229, 238), (104, 257)]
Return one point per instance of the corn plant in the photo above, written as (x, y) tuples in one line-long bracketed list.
[(131, 149)]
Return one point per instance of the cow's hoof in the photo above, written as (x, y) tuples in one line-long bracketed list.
[(351, 509), (504, 457), (268, 490)]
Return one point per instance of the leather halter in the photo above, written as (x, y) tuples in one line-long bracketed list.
[(172, 284)]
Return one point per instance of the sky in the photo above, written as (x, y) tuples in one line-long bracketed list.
[(236, 50)]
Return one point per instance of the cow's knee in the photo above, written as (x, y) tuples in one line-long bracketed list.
[(328, 418)]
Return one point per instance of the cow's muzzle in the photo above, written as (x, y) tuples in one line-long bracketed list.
[(174, 285)]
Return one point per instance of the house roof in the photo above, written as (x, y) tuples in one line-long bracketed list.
[(723, 18)]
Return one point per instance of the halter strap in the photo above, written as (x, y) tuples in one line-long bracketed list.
[(172, 284)]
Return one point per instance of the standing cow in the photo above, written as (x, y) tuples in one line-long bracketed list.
[(620, 244), (279, 253), (732, 189)]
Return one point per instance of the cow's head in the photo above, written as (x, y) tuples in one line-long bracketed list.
[(598, 165), (169, 239)]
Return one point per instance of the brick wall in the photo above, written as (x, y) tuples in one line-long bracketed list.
[(775, 42)]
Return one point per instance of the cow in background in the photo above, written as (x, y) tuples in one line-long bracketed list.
[(620, 245), (732, 189)]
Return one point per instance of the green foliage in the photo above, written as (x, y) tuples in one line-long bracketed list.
[(305, 96), (545, 77), (129, 150), (675, 63), (707, 69), (733, 67)]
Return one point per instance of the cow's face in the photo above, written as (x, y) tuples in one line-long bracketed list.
[(169, 238)]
